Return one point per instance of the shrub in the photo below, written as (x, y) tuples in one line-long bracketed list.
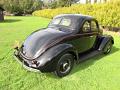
[(108, 14)]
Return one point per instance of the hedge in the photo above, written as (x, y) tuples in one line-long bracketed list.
[(108, 14)]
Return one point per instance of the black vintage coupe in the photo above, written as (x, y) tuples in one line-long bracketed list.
[(68, 39)]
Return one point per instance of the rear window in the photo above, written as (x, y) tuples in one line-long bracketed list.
[(56, 21), (61, 21), (65, 22)]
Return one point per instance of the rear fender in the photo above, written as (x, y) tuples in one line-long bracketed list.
[(51, 56)]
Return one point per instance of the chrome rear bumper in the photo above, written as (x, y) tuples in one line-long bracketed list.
[(25, 66)]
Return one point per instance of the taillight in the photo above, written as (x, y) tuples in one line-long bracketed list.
[(35, 62)]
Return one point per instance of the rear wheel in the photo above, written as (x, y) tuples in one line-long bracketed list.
[(64, 65), (108, 47)]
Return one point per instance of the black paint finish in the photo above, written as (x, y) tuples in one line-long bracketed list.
[(43, 48)]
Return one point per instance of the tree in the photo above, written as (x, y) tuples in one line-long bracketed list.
[(63, 3), (57, 3), (20, 7), (52, 5)]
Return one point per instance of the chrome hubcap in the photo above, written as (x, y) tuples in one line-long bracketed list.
[(65, 66)]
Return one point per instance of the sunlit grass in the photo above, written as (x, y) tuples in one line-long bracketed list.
[(98, 73)]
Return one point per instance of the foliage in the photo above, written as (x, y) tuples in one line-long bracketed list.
[(108, 14), (21, 6), (63, 3), (53, 5), (57, 3), (98, 73)]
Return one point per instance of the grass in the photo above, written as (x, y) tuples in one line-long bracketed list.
[(98, 73)]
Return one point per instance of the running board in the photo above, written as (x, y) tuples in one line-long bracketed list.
[(85, 56)]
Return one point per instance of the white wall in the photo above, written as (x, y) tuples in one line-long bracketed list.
[(92, 1), (82, 1)]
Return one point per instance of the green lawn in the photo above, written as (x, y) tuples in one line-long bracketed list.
[(98, 73)]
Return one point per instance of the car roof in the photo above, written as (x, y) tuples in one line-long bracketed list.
[(78, 16)]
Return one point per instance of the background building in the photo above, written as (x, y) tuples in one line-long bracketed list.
[(80, 1), (1, 14), (92, 1)]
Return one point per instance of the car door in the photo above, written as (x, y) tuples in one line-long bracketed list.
[(85, 41), (82, 40)]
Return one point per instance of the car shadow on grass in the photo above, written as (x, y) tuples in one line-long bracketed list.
[(85, 64), (10, 20)]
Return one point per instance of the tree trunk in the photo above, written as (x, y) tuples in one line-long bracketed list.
[(1, 16)]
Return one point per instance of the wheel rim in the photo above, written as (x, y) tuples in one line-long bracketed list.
[(65, 66), (108, 49)]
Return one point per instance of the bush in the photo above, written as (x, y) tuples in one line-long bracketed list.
[(108, 14)]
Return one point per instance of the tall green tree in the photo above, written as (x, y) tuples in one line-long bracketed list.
[(58, 3), (21, 6), (63, 3)]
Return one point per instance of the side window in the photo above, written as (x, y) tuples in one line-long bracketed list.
[(94, 26), (86, 26)]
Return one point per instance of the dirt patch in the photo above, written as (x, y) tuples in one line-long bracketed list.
[(110, 28), (111, 32)]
